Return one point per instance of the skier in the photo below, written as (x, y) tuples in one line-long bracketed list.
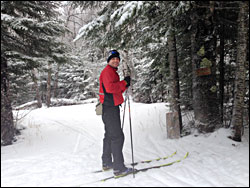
[(110, 93)]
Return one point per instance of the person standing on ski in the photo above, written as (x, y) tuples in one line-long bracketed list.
[(110, 93)]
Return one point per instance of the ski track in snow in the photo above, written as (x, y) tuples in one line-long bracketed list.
[(62, 146)]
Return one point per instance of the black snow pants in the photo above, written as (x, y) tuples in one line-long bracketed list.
[(113, 137)]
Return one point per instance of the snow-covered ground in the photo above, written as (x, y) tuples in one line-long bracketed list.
[(61, 146)]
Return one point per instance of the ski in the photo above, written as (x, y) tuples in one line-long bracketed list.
[(144, 169), (146, 161)]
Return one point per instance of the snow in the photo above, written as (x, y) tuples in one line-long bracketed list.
[(88, 27), (61, 146), (6, 17), (123, 13), (126, 12)]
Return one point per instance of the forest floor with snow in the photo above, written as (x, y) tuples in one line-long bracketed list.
[(62, 146)]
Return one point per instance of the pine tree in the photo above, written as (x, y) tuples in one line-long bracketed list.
[(28, 31)]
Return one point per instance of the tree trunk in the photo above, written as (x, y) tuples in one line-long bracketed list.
[(222, 72), (127, 69), (7, 123), (174, 77), (56, 82), (48, 99), (237, 119), (38, 96), (205, 102)]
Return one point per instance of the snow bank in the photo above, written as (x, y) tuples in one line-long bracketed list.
[(61, 146)]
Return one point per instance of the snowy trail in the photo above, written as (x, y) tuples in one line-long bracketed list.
[(62, 146)]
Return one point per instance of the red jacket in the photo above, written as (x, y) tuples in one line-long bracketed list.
[(111, 88)]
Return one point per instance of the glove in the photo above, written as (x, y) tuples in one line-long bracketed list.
[(127, 79)]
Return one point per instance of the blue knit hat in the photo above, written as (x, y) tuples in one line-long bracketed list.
[(113, 53)]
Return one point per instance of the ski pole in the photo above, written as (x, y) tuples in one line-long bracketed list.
[(124, 110), (131, 136)]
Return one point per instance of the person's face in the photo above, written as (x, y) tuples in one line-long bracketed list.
[(114, 62)]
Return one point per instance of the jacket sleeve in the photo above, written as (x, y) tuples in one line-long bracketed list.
[(111, 86)]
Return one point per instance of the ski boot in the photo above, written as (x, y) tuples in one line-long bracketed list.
[(106, 167), (123, 172)]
